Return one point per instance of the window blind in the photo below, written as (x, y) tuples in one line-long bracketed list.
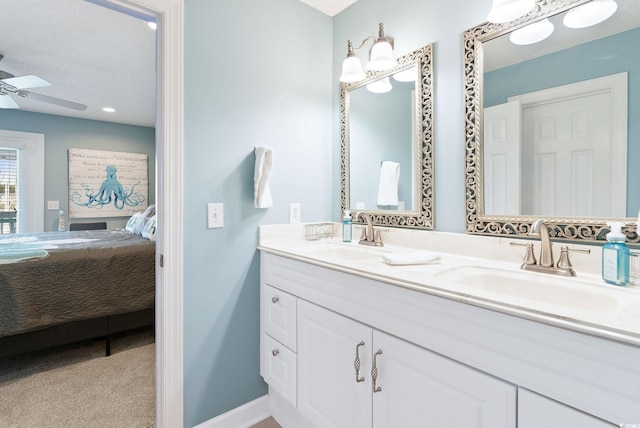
[(8, 189)]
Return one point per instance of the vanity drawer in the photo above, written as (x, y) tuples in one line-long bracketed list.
[(279, 368), (280, 316)]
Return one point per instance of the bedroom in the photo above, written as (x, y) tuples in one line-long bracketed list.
[(126, 131)]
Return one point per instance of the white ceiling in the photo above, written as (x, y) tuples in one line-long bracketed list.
[(92, 55)]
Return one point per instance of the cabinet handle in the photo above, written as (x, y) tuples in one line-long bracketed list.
[(275, 299), (275, 352), (374, 371), (356, 363)]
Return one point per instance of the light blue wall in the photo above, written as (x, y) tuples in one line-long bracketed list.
[(256, 73), (62, 133), (413, 24), (603, 57)]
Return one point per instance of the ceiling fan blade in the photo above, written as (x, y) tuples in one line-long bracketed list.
[(7, 102), (28, 81), (56, 101)]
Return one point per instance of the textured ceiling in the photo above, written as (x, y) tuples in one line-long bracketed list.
[(91, 55)]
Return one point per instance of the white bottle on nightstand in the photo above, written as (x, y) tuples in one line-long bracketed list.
[(61, 226)]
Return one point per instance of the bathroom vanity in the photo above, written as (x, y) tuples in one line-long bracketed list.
[(469, 341)]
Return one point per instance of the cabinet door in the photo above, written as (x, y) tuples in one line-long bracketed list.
[(419, 388), (536, 411), (328, 393)]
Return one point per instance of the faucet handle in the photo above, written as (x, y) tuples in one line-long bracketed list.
[(529, 257), (563, 261)]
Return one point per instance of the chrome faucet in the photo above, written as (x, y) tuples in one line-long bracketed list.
[(370, 236), (546, 263)]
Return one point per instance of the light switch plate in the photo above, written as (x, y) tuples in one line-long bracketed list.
[(53, 205), (215, 215)]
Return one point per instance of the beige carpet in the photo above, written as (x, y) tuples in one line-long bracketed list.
[(76, 386)]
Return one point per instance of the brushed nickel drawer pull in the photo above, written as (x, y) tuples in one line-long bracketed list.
[(275, 299), (275, 352)]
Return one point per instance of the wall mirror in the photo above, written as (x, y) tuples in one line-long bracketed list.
[(550, 126), (390, 131)]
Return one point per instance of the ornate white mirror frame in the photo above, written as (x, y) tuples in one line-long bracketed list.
[(422, 214), (477, 221)]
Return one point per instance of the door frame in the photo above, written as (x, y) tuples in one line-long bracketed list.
[(169, 15)]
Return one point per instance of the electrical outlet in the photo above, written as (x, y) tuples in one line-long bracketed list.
[(215, 215), (294, 213), (53, 205)]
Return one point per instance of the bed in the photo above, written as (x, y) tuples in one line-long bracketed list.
[(63, 287)]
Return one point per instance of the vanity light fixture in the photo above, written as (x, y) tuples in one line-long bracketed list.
[(380, 86), (589, 14), (408, 75), (508, 10), (532, 33), (380, 57)]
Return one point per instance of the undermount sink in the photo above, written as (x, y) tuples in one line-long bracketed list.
[(542, 288), (332, 251)]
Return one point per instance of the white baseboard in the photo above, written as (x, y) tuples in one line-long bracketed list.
[(241, 417)]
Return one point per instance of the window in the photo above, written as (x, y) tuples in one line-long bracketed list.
[(8, 188), (28, 186)]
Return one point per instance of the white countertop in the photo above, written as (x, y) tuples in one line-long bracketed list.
[(478, 270)]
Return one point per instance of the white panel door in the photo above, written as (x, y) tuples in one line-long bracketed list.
[(536, 411), (570, 156), (501, 148), (574, 149), (328, 393), (419, 388)]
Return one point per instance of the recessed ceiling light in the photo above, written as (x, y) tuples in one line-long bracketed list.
[(589, 14), (532, 33), (152, 25), (108, 109)]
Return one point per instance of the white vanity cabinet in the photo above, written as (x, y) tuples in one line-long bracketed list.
[(278, 362), (536, 411), (351, 376), (442, 363)]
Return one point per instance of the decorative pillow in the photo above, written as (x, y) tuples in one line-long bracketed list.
[(146, 215), (133, 221), (149, 230)]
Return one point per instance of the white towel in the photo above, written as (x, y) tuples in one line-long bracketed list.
[(388, 186), (261, 191), (413, 258)]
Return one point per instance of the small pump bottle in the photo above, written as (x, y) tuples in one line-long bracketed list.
[(61, 225), (615, 256), (346, 227)]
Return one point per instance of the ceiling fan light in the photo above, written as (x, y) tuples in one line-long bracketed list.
[(532, 33), (380, 86), (382, 56), (508, 10), (352, 70), (588, 14)]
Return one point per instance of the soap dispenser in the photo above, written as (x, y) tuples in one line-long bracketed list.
[(615, 256), (346, 227)]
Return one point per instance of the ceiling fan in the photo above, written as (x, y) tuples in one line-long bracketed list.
[(10, 84)]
